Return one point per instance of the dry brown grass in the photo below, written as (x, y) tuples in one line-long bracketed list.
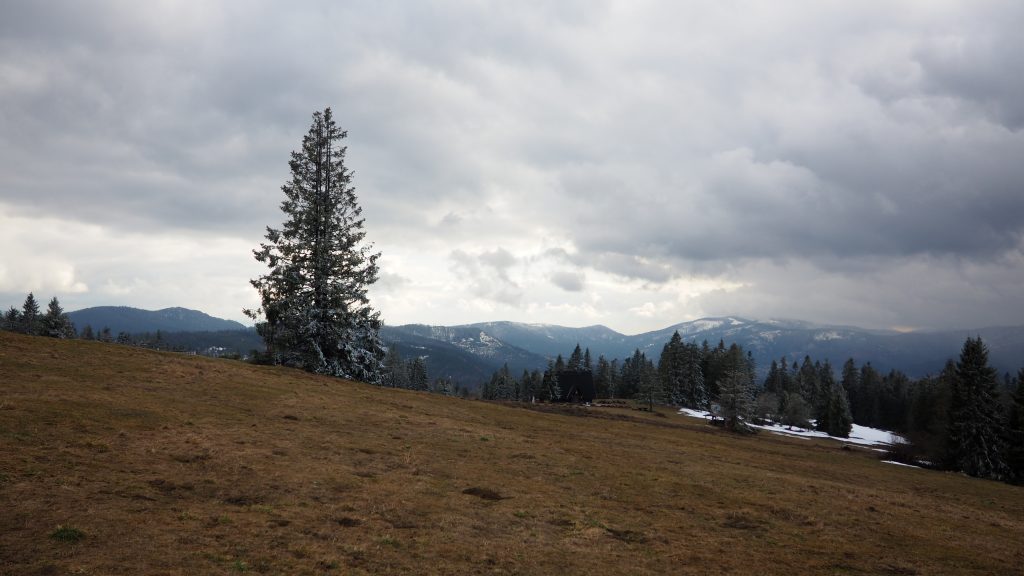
[(180, 465)]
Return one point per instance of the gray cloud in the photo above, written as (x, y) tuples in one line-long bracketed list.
[(487, 274), (568, 280), (779, 147)]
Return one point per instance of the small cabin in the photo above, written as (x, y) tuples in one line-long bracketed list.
[(577, 386)]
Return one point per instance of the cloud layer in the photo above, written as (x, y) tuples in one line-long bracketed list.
[(629, 163)]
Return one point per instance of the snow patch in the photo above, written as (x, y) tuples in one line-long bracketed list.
[(899, 463), (859, 435), (702, 325), (828, 335)]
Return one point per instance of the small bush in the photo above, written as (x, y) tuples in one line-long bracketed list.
[(67, 534)]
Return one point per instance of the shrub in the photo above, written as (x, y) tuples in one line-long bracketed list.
[(67, 534)]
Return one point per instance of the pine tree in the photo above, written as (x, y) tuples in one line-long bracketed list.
[(603, 378), (501, 386), (56, 323), (29, 321), (87, 333), (772, 381), (396, 371), (649, 387), (834, 416), (670, 369), (736, 400), (850, 380), (418, 379), (795, 411), (695, 386), (314, 306), (1014, 435), (12, 320), (868, 411), (588, 364), (575, 359), (975, 446), (808, 382)]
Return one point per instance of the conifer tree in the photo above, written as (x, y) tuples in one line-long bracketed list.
[(834, 416), (795, 411), (87, 333), (396, 371), (1015, 432), (975, 445), (575, 359), (615, 381), (314, 306), (670, 370), (771, 381), (603, 378), (418, 379), (736, 400), (11, 320), (649, 387), (29, 321), (869, 412), (55, 323)]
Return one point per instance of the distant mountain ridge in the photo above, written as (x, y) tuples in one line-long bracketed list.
[(469, 353), (915, 353), (138, 321)]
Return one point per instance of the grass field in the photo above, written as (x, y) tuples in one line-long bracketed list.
[(116, 460)]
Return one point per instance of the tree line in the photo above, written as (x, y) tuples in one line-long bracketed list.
[(54, 323), (964, 419)]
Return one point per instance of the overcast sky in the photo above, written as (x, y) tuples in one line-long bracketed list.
[(633, 164)]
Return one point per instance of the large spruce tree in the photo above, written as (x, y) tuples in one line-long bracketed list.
[(975, 446), (314, 311)]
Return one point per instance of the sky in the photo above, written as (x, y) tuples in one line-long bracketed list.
[(628, 163)]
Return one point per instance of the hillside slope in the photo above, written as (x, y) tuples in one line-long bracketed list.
[(171, 464)]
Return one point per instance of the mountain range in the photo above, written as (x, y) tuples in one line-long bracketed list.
[(470, 353), (915, 353), (137, 321)]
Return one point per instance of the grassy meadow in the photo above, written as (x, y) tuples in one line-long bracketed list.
[(116, 460)]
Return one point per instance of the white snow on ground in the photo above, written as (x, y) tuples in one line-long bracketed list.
[(899, 463), (860, 435), (695, 413)]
